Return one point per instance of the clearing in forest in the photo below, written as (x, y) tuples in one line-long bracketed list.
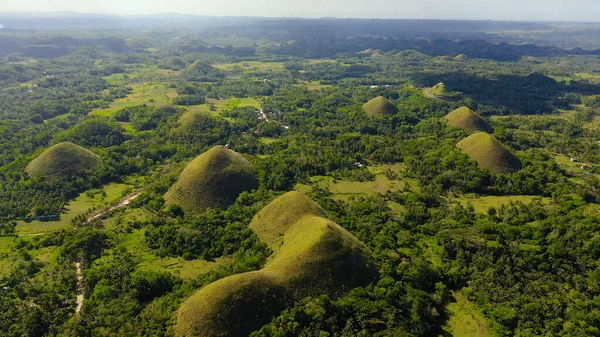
[(465, 319)]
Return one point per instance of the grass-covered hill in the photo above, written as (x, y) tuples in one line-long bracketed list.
[(466, 119), (63, 161), (461, 57), (489, 153), (274, 220), (202, 66), (212, 180), (439, 90), (191, 119), (174, 63), (312, 255), (379, 107)]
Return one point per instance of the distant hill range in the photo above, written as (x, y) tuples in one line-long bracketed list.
[(326, 37)]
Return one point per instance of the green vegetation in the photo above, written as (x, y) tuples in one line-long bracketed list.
[(379, 107), (466, 320), (212, 180), (174, 63), (489, 153), (466, 119), (439, 90), (396, 231), (315, 256), (273, 221), (63, 161)]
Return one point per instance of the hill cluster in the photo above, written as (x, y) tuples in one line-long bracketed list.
[(212, 180), (312, 255)]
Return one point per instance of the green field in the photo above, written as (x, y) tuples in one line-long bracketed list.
[(80, 205), (465, 319), (566, 163), (267, 140), (134, 242), (6, 262), (250, 66), (483, 203), (153, 94), (343, 189), (8, 258), (226, 104)]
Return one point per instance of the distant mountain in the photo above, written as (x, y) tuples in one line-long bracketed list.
[(38, 20)]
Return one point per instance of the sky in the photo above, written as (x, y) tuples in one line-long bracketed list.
[(523, 10)]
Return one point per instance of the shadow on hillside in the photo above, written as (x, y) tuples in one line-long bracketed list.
[(510, 94)]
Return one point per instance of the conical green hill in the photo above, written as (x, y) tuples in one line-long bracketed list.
[(466, 119), (489, 153), (212, 180), (63, 161)]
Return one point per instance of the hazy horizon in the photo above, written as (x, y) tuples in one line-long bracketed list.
[(528, 10)]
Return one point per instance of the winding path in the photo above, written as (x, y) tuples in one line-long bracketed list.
[(429, 95), (123, 203)]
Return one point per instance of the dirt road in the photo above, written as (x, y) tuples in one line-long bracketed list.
[(123, 203), (79, 287)]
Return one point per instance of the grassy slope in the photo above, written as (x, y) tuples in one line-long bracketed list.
[(316, 256), (62, 161), (461, 57), (380, 106), (439, 90), (465, 319), (271, 223), (489, 153), (467, 119), (214, 179)]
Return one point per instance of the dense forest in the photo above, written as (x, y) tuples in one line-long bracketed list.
[(464, 167)]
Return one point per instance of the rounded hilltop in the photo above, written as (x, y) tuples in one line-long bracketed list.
[(175, 63), (467, 119), (461, 57), (311, 256), (489, 153), (193, 119), (379, 107), (276, 218), (63, 161), (439, 90), (212, 180), (200, 66)]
